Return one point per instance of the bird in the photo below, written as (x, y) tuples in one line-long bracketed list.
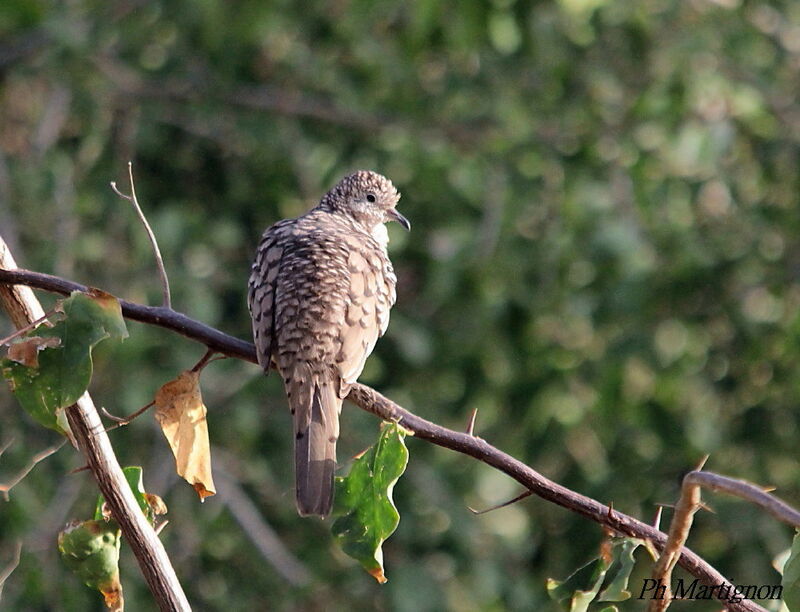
[(320, 290)]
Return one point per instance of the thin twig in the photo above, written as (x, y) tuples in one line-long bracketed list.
[(5, 487), (522, 495), (370, 400), (205, 360), (747, 491), (27, 328), (122, 421), (162, 271), (11, 566), (116, 419), (5, 445)]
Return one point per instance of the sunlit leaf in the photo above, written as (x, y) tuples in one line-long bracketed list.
[(367, 514), (152, 505), (91, 550), (64, 366), (182, 416)]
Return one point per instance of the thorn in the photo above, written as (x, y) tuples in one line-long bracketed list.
[(657, 518), (702, 463), (522, 495), (471, 423), (78, 470), (610, 512), (706, 507), (769, 488), (160, 527), (360, 454), (664, 505)]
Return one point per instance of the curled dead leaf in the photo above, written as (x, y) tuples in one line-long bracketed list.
[(182, 416), (157, 505)]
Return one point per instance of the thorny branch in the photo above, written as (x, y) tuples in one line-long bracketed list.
[(370, 400), (690, 502)]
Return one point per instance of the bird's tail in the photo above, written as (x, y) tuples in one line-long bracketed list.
[(315, 406)]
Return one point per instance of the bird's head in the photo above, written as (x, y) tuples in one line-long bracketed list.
[(367, 197)]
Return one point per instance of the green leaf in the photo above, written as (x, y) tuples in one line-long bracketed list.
[(64, 371), (791, 576), (150, 504), (617, 590), (581, 588), (91, 550), (364, 500)]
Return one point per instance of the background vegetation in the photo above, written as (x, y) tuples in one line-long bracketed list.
[(603, 261)]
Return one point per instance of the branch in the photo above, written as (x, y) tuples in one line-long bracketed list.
[(682, 519), (690, 502), (87, 429), (370, 400), (747, 491), (5, 487)]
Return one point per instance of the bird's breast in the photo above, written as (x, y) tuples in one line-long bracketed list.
[(381, 235)]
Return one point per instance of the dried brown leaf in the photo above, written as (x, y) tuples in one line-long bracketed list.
[(26, 351), (156, 504), (182, 416)]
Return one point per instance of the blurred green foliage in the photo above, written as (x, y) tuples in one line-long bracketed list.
[(604, 262)]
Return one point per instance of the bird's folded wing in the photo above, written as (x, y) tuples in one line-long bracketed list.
[(261, 291)]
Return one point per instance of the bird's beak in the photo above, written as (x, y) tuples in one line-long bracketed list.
[(396, 216)]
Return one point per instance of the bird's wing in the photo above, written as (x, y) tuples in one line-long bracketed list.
[(370, 297), (261, 290)]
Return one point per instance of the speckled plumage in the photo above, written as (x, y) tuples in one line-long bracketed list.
[(320, 292)]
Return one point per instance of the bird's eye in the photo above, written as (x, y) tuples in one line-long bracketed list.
[(370, 197)]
